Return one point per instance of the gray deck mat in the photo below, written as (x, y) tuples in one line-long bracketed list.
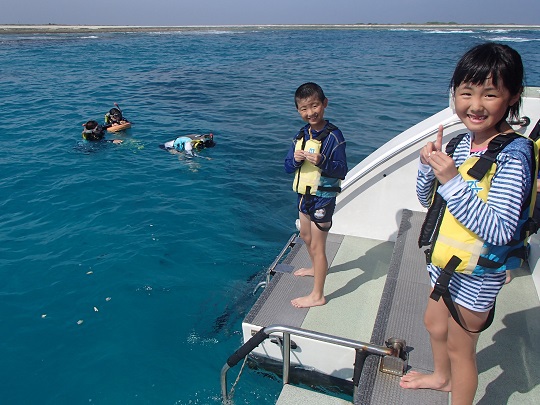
[(274, 305), (400, 312), (400, 315)]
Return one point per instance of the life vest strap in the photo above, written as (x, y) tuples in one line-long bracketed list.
[(432, 222), (441, 290), (329, 189), (531, 226), (324, 229), (327, 130), (485, 161), (441, 286), (535, 133)]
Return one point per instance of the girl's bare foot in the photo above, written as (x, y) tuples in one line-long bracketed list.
[(415, 380), (304, 272), (307, 301)]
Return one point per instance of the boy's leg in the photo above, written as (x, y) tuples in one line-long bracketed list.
[(305, 234), (317, 252), (436, 319)]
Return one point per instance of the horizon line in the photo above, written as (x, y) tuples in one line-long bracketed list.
[(66, 28)]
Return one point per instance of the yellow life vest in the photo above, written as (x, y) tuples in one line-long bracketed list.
[(454, 239), (308, 179), (307, 176)]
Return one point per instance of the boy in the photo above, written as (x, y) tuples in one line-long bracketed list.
[(317, 156)]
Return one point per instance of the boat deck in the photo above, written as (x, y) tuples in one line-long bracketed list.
[(376, 290)]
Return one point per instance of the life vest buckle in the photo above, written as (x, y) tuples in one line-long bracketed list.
[(427, 252), (441, 286), (443, 281)]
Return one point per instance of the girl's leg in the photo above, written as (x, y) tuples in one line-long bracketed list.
[(317, 253), (462, 353), (436, 319)]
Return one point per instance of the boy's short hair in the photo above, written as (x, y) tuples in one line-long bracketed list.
[(307, 90), (91, 125)]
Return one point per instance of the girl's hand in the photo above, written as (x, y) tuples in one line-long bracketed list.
[(431, 147), (443, 165)]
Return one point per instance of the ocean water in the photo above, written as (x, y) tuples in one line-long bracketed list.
[(125, 270)]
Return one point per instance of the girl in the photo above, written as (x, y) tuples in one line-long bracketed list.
[(482, 215)]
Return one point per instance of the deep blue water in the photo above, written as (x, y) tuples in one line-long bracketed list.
[(126, 271)]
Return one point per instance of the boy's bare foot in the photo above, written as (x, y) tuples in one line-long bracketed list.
[(415, 380), (304, 272), (307, 302)]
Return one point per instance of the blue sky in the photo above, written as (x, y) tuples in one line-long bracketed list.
[(240, 12)]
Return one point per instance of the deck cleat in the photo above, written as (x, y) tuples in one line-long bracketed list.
[(396, 363)]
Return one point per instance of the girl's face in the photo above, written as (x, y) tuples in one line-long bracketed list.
[(311, 110), (481, 107)]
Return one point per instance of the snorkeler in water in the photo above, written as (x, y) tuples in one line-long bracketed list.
[(96, 133), (189, 144)]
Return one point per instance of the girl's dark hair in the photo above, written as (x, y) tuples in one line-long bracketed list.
[(307, 90), (498, 62)]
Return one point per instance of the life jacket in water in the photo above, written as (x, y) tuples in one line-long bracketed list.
[(454, 248), (308, 179), (183, 143)]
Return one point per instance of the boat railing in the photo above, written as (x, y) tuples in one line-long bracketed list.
[(394, 356), (420, 137), (396, 150)]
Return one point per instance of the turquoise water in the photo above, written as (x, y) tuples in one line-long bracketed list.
[(126, 271)]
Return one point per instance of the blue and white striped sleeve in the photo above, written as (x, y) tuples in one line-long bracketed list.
[(425, 184)]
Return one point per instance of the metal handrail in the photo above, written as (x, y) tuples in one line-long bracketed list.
[(264, 333), (397, 150)]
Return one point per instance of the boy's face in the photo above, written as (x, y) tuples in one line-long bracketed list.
[(311, 110)]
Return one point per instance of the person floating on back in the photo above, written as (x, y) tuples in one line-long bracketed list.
[(317, 157), (482, 185), (189, 144)]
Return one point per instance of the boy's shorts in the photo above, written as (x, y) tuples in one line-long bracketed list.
[(319, 209)]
